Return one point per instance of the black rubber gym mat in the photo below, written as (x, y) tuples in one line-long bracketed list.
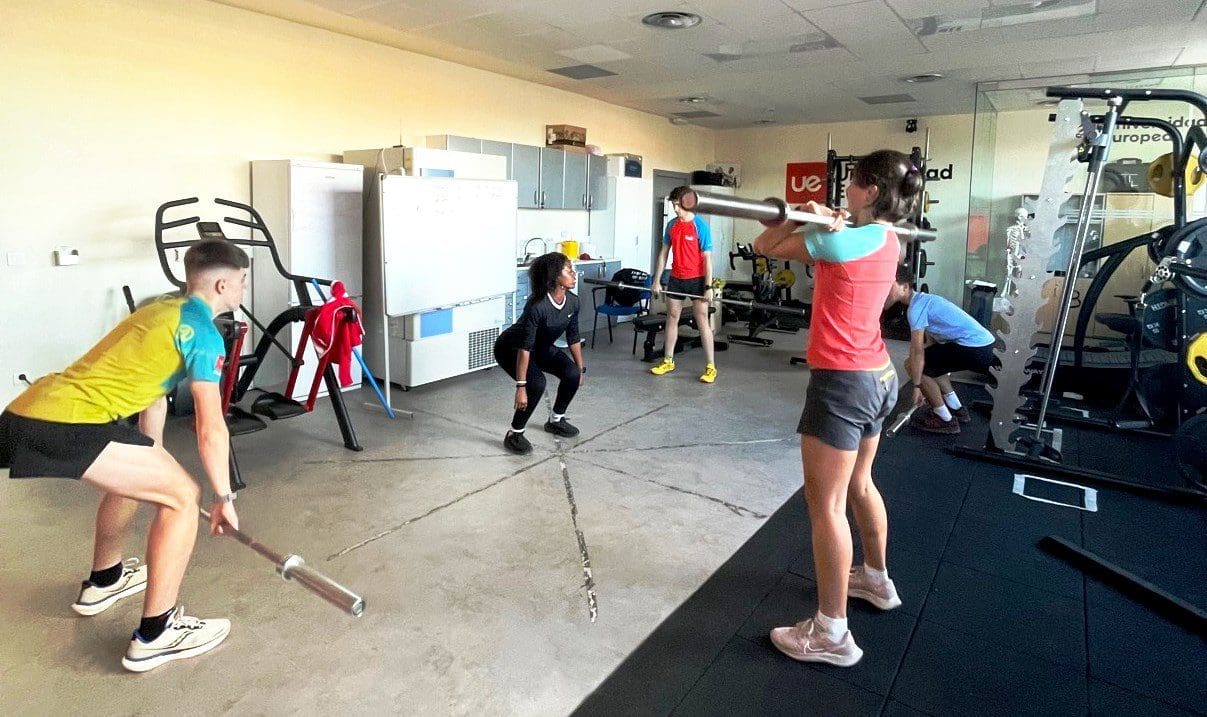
[(990, 623)]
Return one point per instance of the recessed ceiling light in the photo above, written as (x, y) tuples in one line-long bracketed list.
[(692, 100), (923, 78), (671, 20)]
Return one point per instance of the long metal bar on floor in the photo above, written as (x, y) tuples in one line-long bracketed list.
[(777, 210), (293, 567), (1184, 496), (754, 305), (1151, 596)]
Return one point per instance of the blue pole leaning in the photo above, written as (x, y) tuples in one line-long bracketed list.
[(363, 367)]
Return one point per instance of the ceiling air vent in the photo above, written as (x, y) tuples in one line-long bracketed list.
[(696, 114), (582, 72), (671, 20), (887, 99)]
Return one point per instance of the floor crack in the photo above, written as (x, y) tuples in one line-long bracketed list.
[(622, 423), (442, 506), (735, 509), (689, 445), (583, 553)]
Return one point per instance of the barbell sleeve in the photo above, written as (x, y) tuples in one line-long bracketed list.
[(776, 210), (293, 567), (900, 421)]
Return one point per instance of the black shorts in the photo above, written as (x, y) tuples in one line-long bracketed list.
[(695, 286), (844, 407), (31, 448), (942, 359)]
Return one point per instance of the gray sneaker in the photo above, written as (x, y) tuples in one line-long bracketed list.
[(883, 596), (806, 643), (94, 599), (184, 637)]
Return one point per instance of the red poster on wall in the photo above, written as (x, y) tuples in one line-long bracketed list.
[(805, 182)]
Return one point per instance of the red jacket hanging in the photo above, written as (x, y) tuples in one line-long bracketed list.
[(337, 330)]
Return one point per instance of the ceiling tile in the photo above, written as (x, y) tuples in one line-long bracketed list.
[(595, 54), (910, 9), (866, 27), (771, 21), (1155, 57)]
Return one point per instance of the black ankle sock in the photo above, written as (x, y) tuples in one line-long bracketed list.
[(108, 576), (152, 627)]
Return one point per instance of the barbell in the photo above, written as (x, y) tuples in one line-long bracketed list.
[(753, 305), (293, 567), (777, 210)]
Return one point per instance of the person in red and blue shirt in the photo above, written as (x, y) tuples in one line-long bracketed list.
[(689, 243), (852, 390)]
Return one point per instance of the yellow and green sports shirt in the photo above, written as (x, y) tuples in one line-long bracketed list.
[(138, 362)]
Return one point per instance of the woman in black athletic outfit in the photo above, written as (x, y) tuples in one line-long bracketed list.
[(526, 351)]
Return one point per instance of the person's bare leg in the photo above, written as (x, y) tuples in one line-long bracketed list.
[(115, 513), (868, 506), (930, 389), (827, 474), (700, 311), (150, 475), (674, 308), (113, 518), (944, 382)]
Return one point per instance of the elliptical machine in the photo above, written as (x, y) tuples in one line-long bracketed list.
[(241, 368)]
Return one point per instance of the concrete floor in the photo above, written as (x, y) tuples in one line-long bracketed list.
[(471, 560)]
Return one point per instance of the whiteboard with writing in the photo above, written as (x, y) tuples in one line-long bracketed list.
[(446, 241)]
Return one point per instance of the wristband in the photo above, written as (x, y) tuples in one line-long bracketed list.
[(521, 384), (228, 498), (584, 370)]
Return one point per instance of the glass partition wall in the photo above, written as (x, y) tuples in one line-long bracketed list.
[(1011, 138)]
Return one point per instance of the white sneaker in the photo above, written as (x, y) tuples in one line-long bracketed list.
[(805, 642), (882, 595), (93, 599), (184, 637)]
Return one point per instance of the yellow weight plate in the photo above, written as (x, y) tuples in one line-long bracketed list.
[(1160, 175), (1196, 358)]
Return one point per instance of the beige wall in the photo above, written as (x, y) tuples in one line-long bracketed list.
[(110, 108), (764, 152)]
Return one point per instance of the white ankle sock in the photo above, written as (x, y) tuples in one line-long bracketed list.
[(943, 413), (833, 627), (555, 417), (514, 430), (952, 401), (879, 577)]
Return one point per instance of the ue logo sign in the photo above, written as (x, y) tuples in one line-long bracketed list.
[(805, 182)]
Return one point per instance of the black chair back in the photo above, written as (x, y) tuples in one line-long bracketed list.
[(627, 297)]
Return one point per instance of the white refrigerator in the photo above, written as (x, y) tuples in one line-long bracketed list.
[(621, 229), (314, 211)]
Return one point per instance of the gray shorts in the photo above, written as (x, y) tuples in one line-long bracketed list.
[(844, 407)]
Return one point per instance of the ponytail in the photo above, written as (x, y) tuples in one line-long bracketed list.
[(898, 180)]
